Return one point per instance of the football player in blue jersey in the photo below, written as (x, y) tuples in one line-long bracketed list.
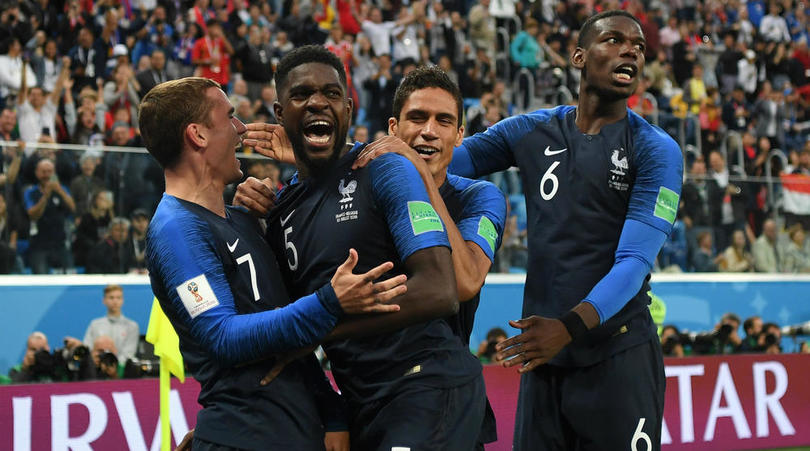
[(408, 380), (425, 127), (219, 284), (602, 188)]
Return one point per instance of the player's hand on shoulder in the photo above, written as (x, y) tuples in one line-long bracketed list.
[(541, 339), (388, 144), (269, 140), (358, 293), (336, 441), (258, 196)]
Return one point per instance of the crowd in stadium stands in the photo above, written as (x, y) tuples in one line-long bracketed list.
[(725, 338), (729, 80)]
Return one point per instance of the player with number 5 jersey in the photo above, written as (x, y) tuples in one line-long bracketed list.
[(602, 189)]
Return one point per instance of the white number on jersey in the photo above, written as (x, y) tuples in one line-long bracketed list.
[(247, 258), (549, 177)]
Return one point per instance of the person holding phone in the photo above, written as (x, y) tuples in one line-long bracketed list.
[(48, 204)]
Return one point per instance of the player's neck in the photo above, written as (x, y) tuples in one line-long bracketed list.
[(593, 112), (198, 190)]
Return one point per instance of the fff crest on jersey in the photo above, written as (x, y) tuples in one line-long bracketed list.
[(346, 201), (618, 177)]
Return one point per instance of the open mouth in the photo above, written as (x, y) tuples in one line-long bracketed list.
[(625, 72), (318, 132), (426, 151)]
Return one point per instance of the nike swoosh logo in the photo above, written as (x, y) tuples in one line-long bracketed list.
[(284, 221), (232, 247), (548, 152)]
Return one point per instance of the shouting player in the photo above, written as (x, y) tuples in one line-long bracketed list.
[(410, 382), (220, 286), (602, 188)]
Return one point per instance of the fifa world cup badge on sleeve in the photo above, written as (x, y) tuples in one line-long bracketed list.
[(423, 217), (197, 295), (666, 204), (486, 230)]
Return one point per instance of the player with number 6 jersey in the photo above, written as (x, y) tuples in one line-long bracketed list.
[(602, 189)]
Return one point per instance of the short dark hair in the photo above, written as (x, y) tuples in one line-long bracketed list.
[(303, 55), (427, 77), (166, 111), (748, 324), (586, 32)]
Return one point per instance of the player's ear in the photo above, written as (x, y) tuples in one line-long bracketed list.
[(349, 105), (196, 135), (459, 137), (278, 110), (393, 124), (578, 58)]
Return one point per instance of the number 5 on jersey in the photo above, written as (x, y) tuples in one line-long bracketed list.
[(291, 262)]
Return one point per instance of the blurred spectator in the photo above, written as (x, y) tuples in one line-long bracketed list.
[(105, 359), (694, 90), (736, 111), (212, 54), (11, 70), (748, 74), (48, 205), (769, 115), (486, 349), (727, 63), (264, 112), (38, 364), (360, 134), (379, 32), (140, 222), (736, 257), (766, 253), (8, 125), (11, 157), (121, 331), (671, 341), (797, 258), (84, 186), (93, 225), (771, 339), (113, 254), (255, 55), (380, 87), (37, 111), (87, 61), (84, 124), (482, 27), (121, 94), (155, 75), (48, 65), (773, 26), (724, 339), (524, 49), (727, 200), (753, 328), (703, 258)]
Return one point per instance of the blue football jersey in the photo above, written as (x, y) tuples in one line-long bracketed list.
[(384, 213), (580, 189), (220, 286), (478, 209)]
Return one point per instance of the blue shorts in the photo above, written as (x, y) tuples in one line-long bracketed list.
[(421, 418), (617, 404)]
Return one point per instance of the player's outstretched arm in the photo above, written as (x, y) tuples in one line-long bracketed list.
[(469, 260), (431, 294), (269, 140)]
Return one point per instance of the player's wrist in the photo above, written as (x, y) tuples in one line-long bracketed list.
[(329, 300), (575, 326)]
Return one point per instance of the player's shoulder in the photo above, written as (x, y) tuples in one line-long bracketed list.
[(173, 220), (650, 138)]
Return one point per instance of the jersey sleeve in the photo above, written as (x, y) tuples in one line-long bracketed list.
[(492, 150), (182, 256), (399, 192), (483, 217), (657, 188)]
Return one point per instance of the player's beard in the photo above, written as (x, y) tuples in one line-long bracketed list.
[(318, 166)]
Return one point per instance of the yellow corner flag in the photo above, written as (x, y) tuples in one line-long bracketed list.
[(167, 346)]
